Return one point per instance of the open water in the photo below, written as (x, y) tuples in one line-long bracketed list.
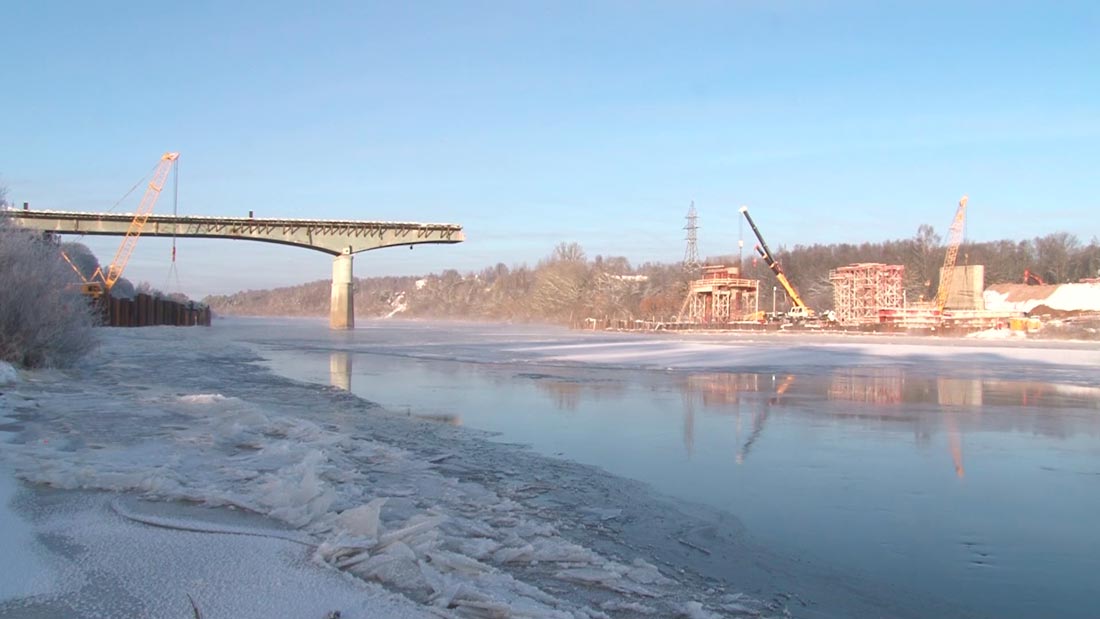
[(975, 483)]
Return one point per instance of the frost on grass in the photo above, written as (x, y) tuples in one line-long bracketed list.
[(44, 320)]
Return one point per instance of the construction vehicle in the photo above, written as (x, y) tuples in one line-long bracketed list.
[(1033, 279), (100, 283), (947, 275), (799, 310)]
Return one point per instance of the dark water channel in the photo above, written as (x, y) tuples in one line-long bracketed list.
[(981, 491)]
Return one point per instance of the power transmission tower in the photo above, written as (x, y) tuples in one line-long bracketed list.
[(691, 252)]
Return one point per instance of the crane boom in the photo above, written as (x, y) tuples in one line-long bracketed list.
[(145, 208), (954, 240), (766, 254), (99, 282)]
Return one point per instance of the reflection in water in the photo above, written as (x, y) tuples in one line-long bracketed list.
[(875, 395), (717, 389), (760, 416), (959, 392), (568, 392), (875, 386), (339, 376), (723, 393), (954, 439), (339, 370), (689, 421)]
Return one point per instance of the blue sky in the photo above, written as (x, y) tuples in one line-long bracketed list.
[(533, 123)]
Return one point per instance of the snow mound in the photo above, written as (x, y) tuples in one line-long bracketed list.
[(1063, 297), (203, 398), (8, 375)]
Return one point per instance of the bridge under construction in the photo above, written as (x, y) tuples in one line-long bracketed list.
[(339, 238)]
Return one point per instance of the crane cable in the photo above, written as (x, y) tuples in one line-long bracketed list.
[(136, 185), (113, 207), (173, 274), (127, 194)]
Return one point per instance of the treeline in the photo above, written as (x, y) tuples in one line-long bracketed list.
[(567, 286), (1056, 258), (564, 287)]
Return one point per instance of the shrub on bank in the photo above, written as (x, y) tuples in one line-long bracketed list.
[(44, 320)]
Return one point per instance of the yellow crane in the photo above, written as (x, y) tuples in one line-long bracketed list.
[(99, 282), (799, 308), (954, 240)]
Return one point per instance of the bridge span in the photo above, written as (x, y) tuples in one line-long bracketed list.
[(339, 238)]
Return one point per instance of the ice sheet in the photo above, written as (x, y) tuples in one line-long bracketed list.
[(363, 507)]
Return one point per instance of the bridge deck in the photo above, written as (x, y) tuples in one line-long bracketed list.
[(332, 236)]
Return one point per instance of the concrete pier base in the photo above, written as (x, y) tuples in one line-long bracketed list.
[(342, 313)]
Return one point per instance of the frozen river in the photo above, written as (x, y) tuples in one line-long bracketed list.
[(538, 472), (972, 477)]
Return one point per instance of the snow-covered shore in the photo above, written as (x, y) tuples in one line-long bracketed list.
[(419, 532), (273, 498)]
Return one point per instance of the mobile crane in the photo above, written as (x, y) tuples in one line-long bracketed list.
[(954, 241), (799, 310), (100, 283)]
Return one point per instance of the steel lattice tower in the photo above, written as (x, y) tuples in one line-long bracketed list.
[(691, 252)]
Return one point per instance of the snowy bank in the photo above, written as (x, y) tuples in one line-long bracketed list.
[(8, 375), (1060, 297), (336, 504)]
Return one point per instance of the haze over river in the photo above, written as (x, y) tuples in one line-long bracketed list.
[(964, 474)]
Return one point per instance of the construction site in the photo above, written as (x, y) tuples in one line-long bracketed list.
[(101, 286), (871, 297)]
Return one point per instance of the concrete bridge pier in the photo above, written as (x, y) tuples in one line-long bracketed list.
[(342, 312)]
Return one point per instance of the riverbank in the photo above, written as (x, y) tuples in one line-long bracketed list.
[(467, 524), (434, 517)]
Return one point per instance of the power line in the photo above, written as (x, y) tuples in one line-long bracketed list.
[(691, 252)]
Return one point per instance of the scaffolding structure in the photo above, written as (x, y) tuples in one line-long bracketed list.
[(861, 291), (719, 296)]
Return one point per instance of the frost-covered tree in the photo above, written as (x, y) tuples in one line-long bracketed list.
[(44, 320)]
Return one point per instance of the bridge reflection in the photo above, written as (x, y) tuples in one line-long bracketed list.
[(339, 376), (339, 370)]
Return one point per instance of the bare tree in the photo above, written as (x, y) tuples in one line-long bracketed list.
[(1054, 253), (568, 252), (925, 260)]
